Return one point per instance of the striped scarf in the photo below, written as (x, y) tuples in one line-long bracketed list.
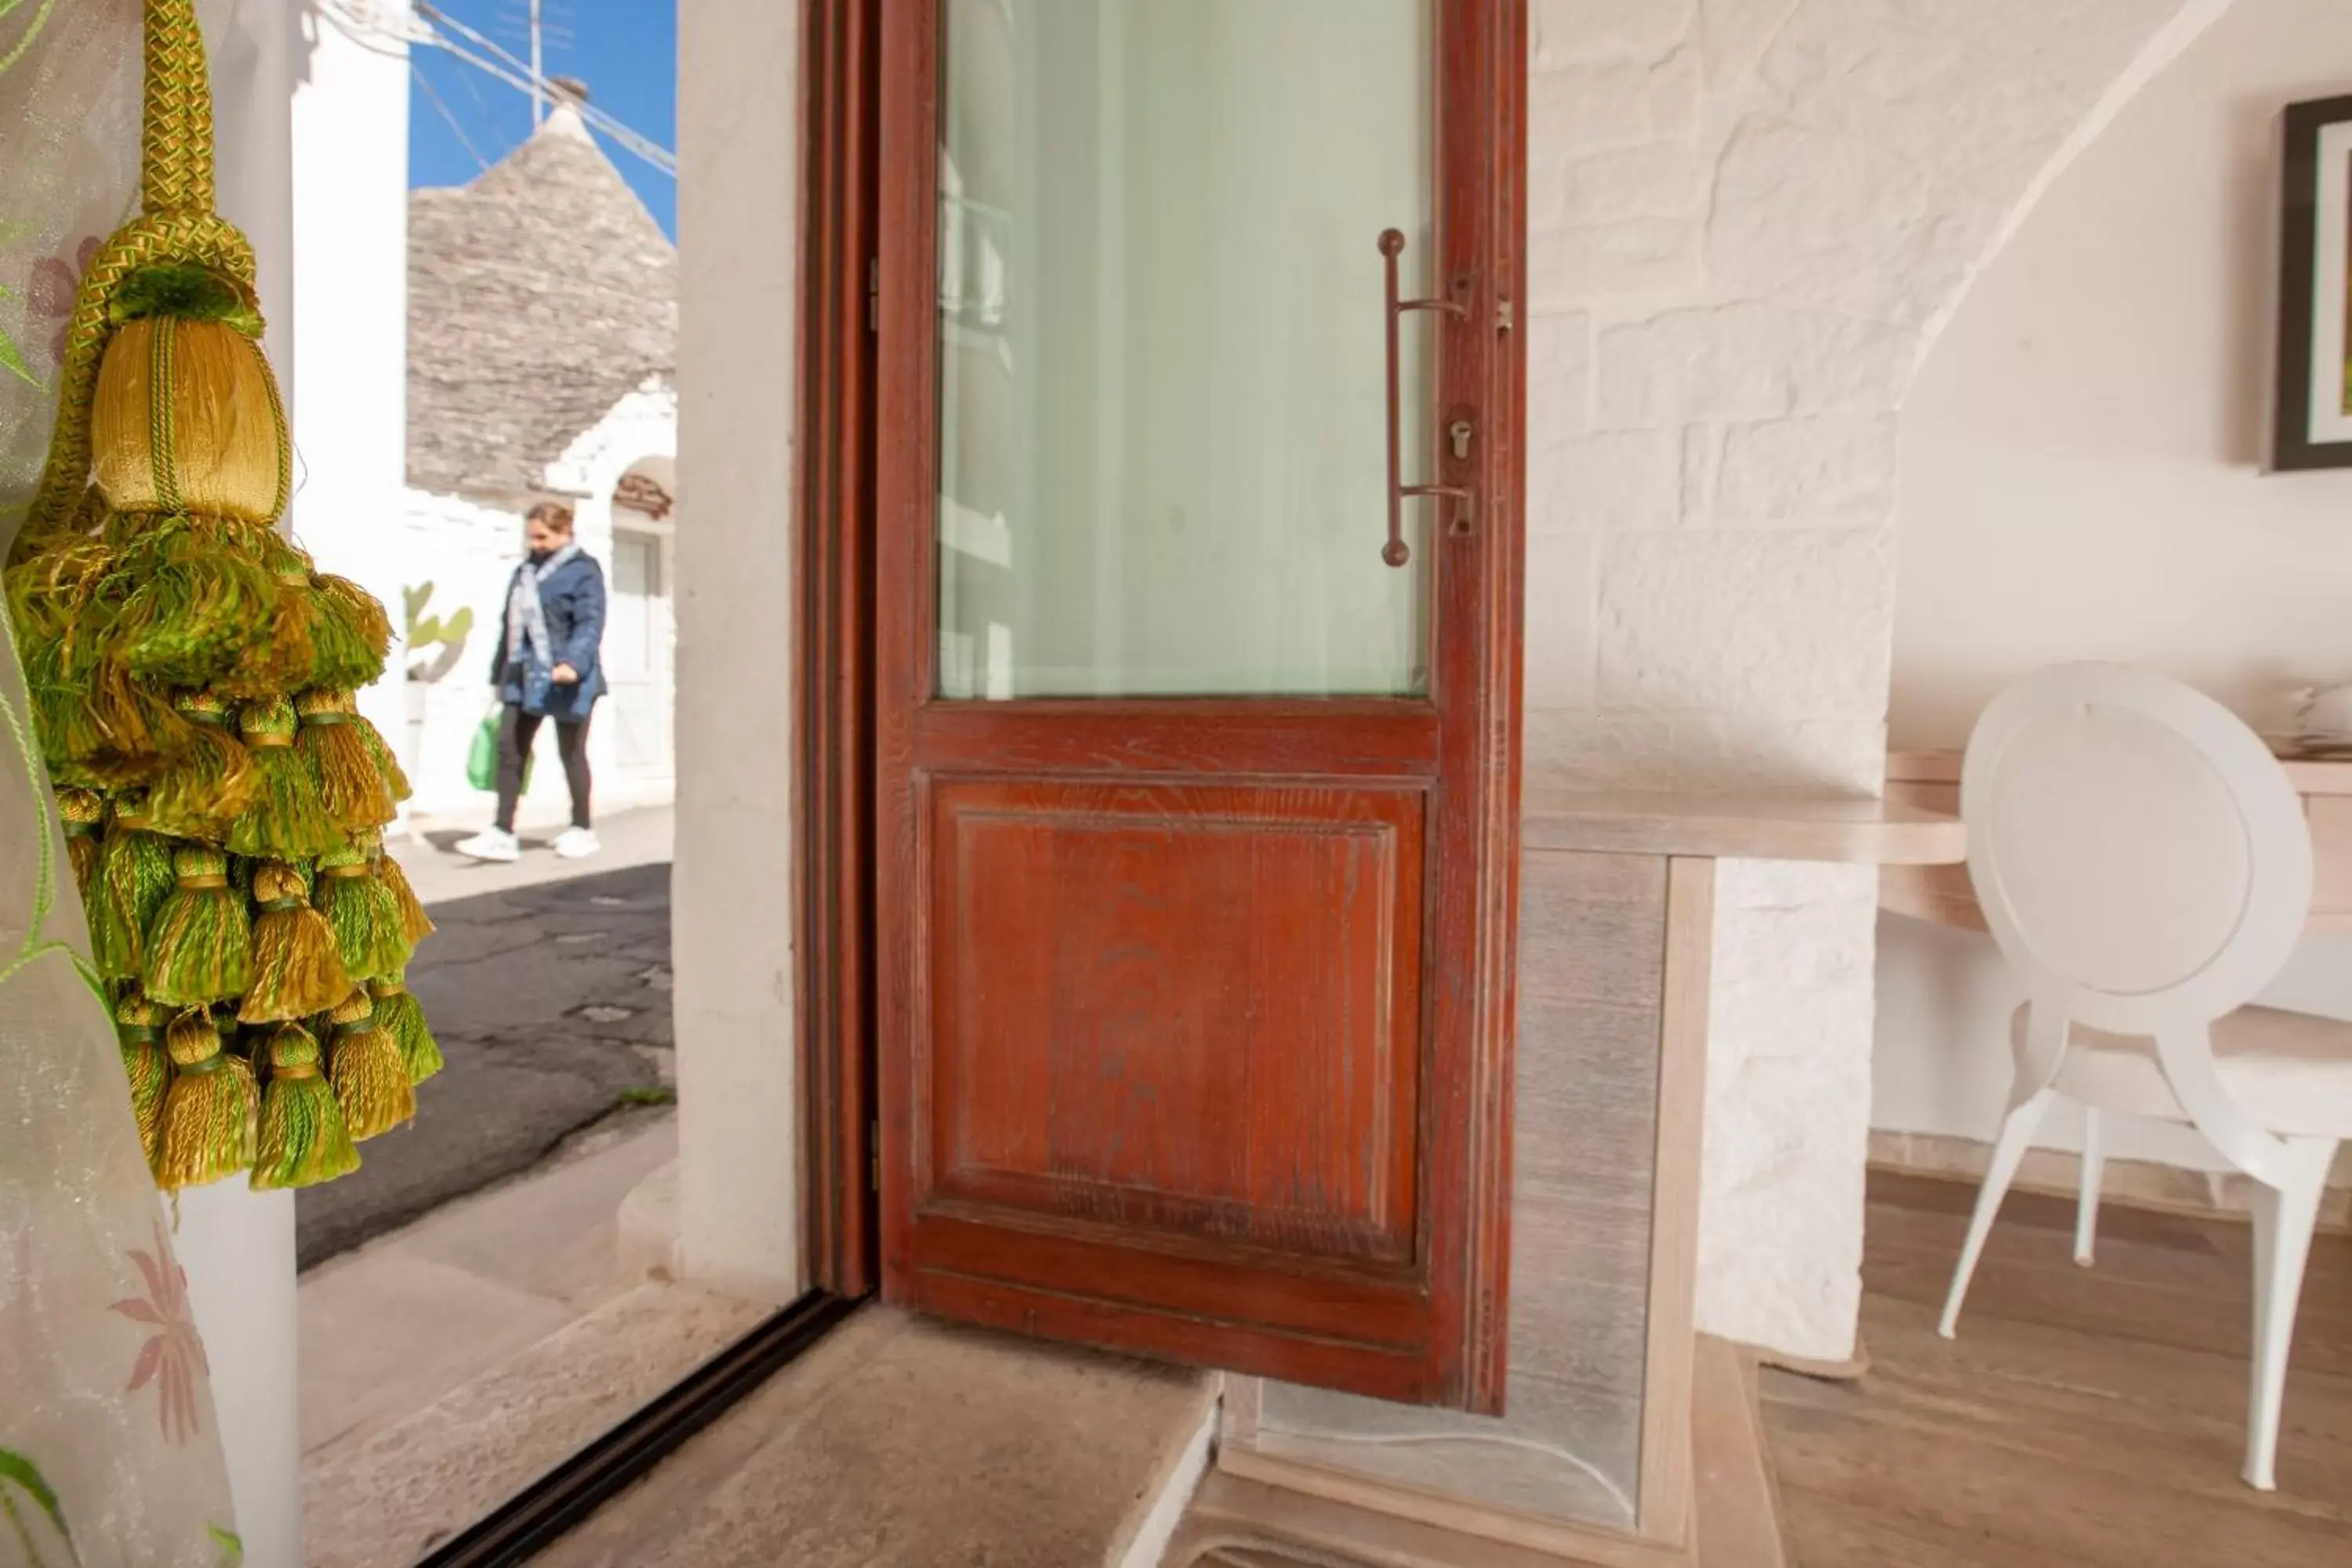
[(525, 616)]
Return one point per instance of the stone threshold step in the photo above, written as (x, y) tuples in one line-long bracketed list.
[(902, 1441)]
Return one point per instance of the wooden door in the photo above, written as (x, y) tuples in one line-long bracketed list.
[(636, 653), (1197, 607)]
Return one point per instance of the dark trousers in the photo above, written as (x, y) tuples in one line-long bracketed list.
[(516, 731)]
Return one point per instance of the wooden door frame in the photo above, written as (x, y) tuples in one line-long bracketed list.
[(833, 561), (834, 649)]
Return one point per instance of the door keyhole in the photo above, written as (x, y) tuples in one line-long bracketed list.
[(1459, 431)]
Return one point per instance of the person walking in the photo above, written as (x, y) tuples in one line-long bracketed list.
[(545, 666)]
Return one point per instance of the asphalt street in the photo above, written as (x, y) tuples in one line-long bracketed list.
[(552, 1002)]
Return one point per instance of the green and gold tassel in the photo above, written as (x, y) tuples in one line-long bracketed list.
[(83, 815), (415, 923), (200, 946), (203, 594), (380, 753), (134, 878), (297, 967), (63, 716), (280, 662), (285, 820), (211, 781), (370, 1081), (398, 1014), (351, 635), (352, 786), (237, 1047), (304, 1138), (189, 673), (210, 1110), (363, 914), (139, 1029), (97, 724)]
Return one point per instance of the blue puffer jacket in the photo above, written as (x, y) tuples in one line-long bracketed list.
[(573, 598)]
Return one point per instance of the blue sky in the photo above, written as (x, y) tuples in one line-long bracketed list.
[(626, 50)]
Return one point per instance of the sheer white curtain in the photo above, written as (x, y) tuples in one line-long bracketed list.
[(1162, 441), (108, 1452)]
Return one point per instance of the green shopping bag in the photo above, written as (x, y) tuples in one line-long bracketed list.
[(482, 761)]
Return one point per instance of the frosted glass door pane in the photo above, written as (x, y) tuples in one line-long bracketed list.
[(1162, 427)]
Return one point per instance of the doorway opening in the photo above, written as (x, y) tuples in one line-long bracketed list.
[(641, 634)]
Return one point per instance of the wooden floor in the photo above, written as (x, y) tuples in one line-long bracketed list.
[(2084, 1418)]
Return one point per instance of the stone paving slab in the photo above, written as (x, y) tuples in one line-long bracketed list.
[(384, 1499), (393, 1326)]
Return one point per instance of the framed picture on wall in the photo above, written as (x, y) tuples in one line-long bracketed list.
[(2314, 352)]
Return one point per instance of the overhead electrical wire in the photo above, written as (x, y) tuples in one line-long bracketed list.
[(517, 73), (432, 95), (437, 29)]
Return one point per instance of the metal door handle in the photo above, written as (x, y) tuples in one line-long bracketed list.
[(1396, 553)]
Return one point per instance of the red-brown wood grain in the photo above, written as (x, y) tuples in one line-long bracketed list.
[(1193, 1018), (1183, 1006), (833, 750)]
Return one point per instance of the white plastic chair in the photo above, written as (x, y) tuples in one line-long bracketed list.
[(2145, 866)]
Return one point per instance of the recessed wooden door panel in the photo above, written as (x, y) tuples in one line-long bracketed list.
[(1184, 1008), (1195, 868)]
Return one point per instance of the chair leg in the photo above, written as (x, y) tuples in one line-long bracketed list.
[(2283, 1218), (2094, 1164), (2016, 1136)]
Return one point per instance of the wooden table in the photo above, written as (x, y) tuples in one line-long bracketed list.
[(1930, 781)]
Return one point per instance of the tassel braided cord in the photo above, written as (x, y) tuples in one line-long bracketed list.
[(175, 133)]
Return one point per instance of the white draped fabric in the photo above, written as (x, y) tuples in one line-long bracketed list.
[(108, 1450)]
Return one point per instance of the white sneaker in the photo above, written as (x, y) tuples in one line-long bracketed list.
[(576, 844), (491, 844)]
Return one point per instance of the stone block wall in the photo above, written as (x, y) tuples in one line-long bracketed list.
[(1749, 221)]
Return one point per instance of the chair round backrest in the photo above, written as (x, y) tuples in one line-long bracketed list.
[(2139, 854)]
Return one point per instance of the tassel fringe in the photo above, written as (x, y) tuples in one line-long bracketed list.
[(370, 1082), (303, 1138), (134, 878), (200, 948), (297, 968), (211, 1109), (398, 1014)]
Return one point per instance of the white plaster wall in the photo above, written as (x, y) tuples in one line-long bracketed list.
[(739, 1103), (350, 400), (643, 424), (1750, 218), (466, 551), (2080, 468)]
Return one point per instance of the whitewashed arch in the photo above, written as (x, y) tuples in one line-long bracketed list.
[(1749, 220)]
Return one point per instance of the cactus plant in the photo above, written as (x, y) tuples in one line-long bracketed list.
[(429, 632)]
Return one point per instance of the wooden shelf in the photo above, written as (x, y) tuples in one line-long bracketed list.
[(1930, 781), (1851, 830)]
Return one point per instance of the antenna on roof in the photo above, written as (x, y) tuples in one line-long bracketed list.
[(538, 75), (435, 28)]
